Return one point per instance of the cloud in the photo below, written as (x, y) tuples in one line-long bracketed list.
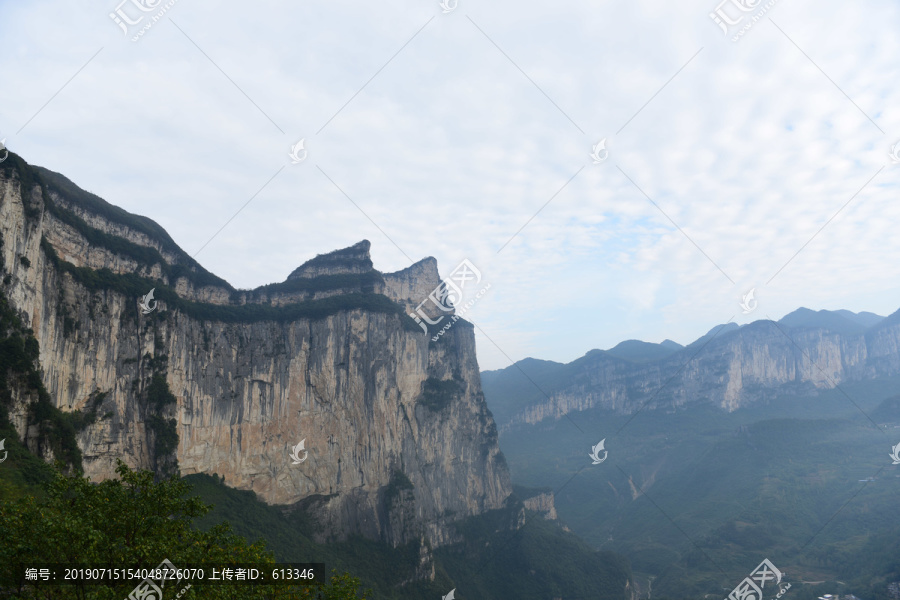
[(454, 132)]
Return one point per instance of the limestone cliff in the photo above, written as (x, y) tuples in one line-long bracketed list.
[(730, 368), (399, 443), (543, 504)]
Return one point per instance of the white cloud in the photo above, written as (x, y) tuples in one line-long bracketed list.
[(450, 149)]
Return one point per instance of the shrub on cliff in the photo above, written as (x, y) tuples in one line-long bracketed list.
[(19, 351)]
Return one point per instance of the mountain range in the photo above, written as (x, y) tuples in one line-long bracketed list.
[(314, 412), (322, 415), (729, 367), (770, 440)]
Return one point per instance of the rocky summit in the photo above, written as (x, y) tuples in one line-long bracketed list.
[(398, 443)]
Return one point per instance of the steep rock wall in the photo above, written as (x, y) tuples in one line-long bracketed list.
[(349, 382), (754, 363)]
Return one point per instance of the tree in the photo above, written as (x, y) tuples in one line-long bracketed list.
[(132, 522)]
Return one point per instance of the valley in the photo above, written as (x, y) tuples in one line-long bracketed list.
[(691, 493)]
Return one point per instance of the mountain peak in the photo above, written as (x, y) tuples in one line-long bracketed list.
[(640, 351), (410, 286), (838, 321), (353, 259)]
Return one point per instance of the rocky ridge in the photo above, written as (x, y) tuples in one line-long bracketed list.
[(731, 367), (399, 444)]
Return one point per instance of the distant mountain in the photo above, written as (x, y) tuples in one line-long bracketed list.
[(867, 319), (716, 331), (888, 411), (838, 321), (681, 488), (638, 351), (522, 384), (729, 367), (116, 344), (531, 380), (667, 343)]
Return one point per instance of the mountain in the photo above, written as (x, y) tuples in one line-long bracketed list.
[(638, 351), (838, 321), (529, 381), (729, 367), (771, 439), (502, 553), (225, 381), (667, 343), (696, 497), (314, 412), (888, 411), (521, 384)]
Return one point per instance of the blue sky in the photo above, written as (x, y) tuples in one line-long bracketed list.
[(444, 134)]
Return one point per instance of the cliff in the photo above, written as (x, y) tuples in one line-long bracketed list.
[(400, 442), (730, 367), (542, 504)]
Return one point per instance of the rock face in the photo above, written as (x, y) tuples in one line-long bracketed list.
[(542, 503), (413, 284), (352, 260), (731, 368), (328, 356)]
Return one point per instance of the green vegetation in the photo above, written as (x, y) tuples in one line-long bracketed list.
[(22, 472), (165, 431), (70, 324), (888, 411), (158, 394), (365, 282), (290, 535), (82, 419), (142, 255), (437, 394), (339, 258), (135, 522), (524, 383), (838, 321), (30, 176), (165, 435), (537, 562), (28, 179), (48, 517), (18, 371), (689, 495), (135, 286), (534, 562), (187, 267), (398, 483), (524, 493)]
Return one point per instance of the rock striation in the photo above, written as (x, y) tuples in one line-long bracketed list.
[(399, 443)]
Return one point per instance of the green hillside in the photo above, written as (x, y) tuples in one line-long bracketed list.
[(492, 561), (698, 497)]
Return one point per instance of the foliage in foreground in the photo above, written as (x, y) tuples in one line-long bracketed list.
[(492, 560), (132, 522)]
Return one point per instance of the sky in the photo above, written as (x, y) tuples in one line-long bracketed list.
[(751, 155)]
